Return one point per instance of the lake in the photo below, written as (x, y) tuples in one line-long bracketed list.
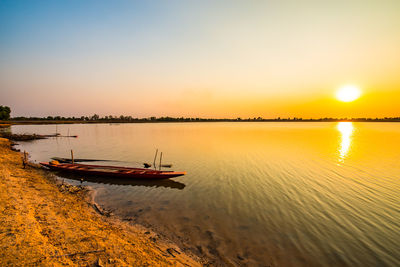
[(255, 193)]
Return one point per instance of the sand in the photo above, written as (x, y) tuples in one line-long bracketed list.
[(43, 222)]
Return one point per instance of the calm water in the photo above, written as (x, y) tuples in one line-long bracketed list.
[(255, 193)]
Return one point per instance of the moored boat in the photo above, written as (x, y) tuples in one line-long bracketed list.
[(112, 171)]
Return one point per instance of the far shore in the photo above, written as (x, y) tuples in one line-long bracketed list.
[(46, 222)]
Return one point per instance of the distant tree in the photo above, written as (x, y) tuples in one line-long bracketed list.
[(95, 117), (4, 112)]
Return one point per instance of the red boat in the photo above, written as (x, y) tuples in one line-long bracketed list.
[(112, 171)]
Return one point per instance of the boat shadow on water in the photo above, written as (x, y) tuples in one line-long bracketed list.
[(167, 183)]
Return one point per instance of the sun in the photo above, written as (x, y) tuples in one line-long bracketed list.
[(348, 93)]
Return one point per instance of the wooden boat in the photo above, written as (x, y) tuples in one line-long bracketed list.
[(112, 171)]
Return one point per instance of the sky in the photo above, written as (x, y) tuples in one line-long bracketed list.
[(211, 59)]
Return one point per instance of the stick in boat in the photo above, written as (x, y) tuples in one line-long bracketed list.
[(155, 157), (159, 168)]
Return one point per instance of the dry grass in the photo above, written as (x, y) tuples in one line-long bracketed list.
[(40, 225)]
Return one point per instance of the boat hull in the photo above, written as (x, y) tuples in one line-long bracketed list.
[(113, 171)]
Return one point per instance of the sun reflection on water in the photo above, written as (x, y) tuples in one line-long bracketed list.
[(346, 130)]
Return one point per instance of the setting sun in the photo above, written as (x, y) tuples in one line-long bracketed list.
[(348, 93)]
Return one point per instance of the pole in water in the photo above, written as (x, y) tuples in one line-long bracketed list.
[(159, 167), (155, 157), (72, 156)]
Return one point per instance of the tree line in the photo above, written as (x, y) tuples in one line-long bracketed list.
[(122, 118), (5, 112)]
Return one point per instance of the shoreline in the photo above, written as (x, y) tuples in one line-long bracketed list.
[(47, 222)]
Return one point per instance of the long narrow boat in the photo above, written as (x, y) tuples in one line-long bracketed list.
[(112, 171)]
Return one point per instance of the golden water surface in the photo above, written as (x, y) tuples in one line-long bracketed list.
[(276, 193)]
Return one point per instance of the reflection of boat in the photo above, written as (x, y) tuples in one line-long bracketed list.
[(167, 183), (113, 171)]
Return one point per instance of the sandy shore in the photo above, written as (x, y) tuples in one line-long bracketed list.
[(45, 223)]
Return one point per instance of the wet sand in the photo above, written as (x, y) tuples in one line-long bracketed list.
[(43, 222)]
